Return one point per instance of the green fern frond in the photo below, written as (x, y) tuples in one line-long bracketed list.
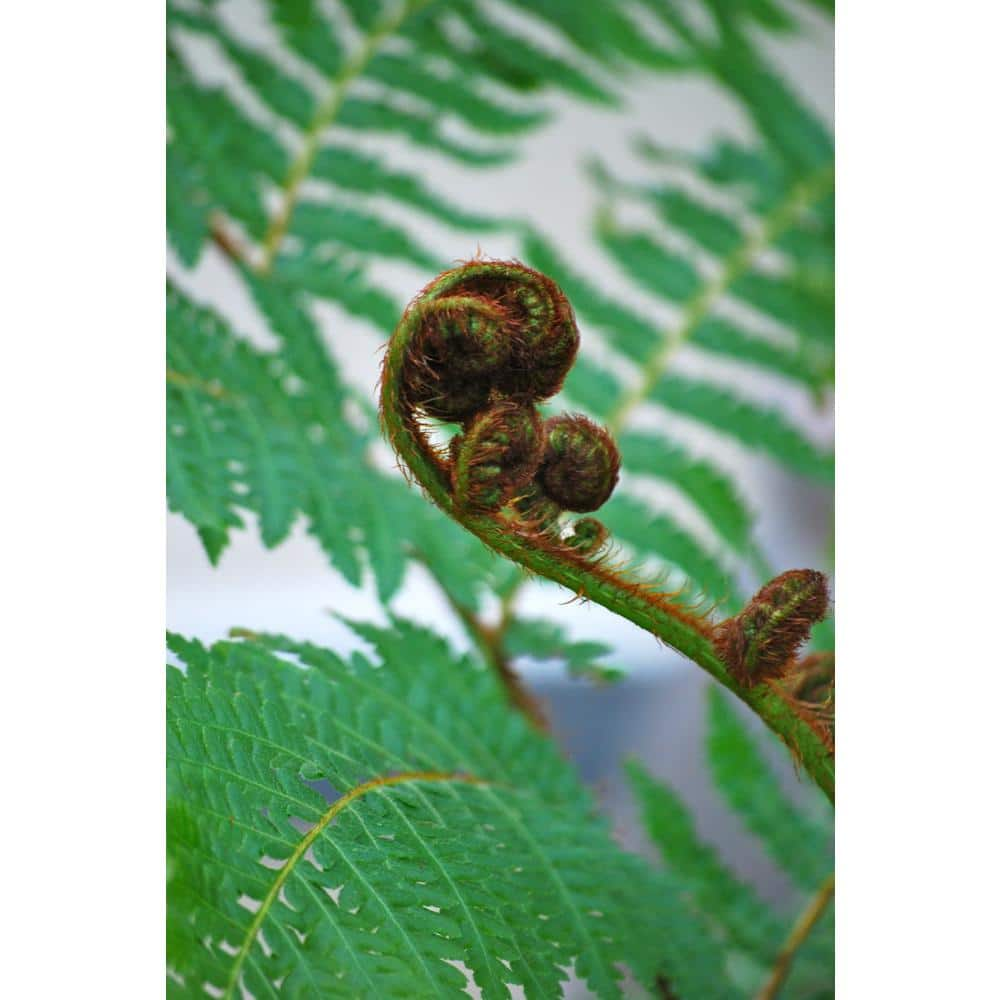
[(267, 432), (545, 640), (715, 891), (743, 255), (352, 829), (797, 843), (415, 68), (748, 932)]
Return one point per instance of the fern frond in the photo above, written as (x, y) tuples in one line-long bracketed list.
[(750, 932), (351, 828), (740, 915), (794, 841), (545, 640), (267, 432)]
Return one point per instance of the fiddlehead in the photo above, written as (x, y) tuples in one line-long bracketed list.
[(480, 346), (761, 641)]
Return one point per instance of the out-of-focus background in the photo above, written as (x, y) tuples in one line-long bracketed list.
[(657, 712)]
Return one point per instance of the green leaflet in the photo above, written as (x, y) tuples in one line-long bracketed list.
[(741, 926), (710, 490), (265, 432), (308, 33), (664, 273), (797, 843), (808, 365), (709, 227), (323, 273), (656, 534), (453, 93), (355, 171), (608, 37), (716, 892), (761, 429), (544, 640), (515, 60), (319, 223), (421, 127), (476, 844)]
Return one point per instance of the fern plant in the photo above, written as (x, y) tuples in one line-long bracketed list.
[(401, 825)]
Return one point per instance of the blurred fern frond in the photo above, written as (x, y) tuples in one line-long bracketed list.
[(738, 248), (291, 141), (749, 931)]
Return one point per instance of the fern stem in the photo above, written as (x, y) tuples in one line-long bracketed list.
[(800, 931), (306, 842), (652, 611), (785, 214), (323, 119), (489, 641)]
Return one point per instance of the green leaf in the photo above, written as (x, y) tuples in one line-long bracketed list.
[(656, 534), (752, 790), (421, 127), (355, 171), (807, 364), (544, 640), (452, 92), (187, 207), (308, 33), (323, 273), (707, 226), (451, 831), (758, 428), (715, 495), (716, 892), (266, 432), (318, 223), (663, 273), (518, 62)]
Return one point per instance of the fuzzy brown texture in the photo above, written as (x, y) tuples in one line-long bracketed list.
[(581, 463), (462, 345), (497, 455), (488, 329), (761, 642), (545, 337)]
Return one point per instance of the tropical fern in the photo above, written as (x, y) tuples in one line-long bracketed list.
[(463, 82), (750, 932), (341, 827), (361, 828), (741, 252)]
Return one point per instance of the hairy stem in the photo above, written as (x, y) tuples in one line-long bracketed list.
[(325, 115), (797, 936), (640, 604)]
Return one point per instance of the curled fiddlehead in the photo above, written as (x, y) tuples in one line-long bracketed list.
[(480, 346)]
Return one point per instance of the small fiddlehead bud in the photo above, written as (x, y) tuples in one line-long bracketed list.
[(588, 535), (497, 455), (536, 511), (760, 643), (581, 463)]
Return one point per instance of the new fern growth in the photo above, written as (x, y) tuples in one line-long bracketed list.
[(481, 345)]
